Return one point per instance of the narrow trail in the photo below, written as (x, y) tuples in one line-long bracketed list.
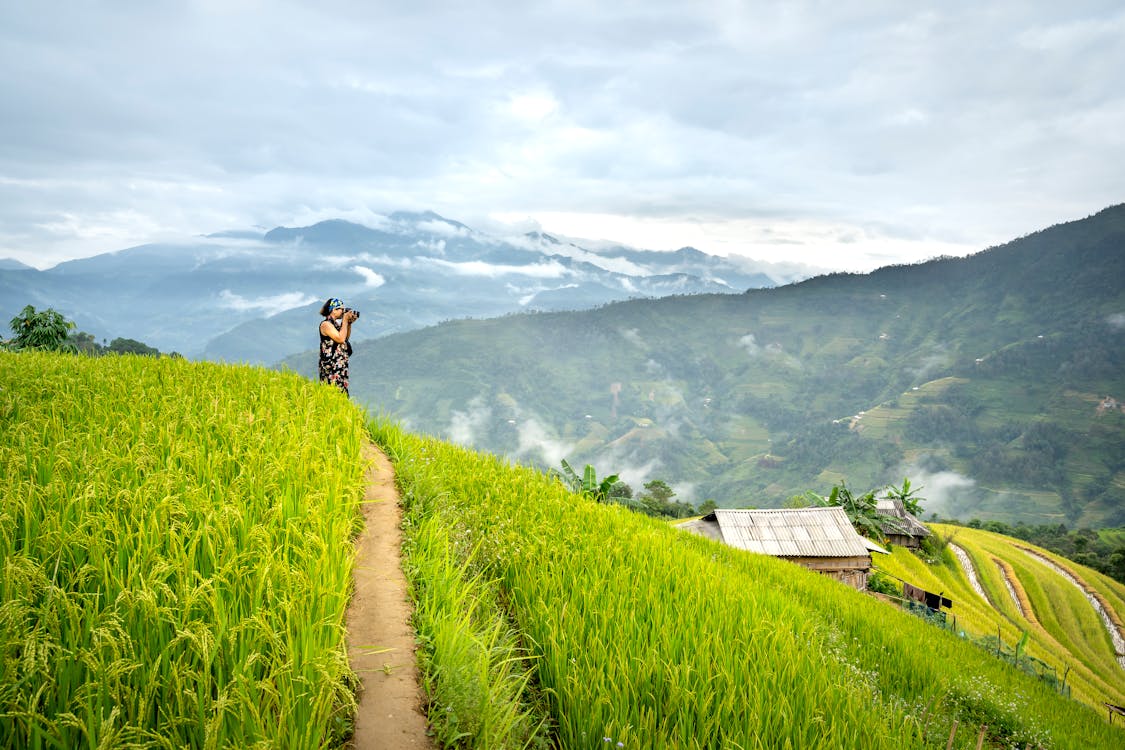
[(380, 638)]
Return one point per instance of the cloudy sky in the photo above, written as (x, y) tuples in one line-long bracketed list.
[(843, 134)]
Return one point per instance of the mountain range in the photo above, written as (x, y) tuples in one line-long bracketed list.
[(254, 296), (995, 381)]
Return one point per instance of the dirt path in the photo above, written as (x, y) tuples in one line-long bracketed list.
[(380, 639)]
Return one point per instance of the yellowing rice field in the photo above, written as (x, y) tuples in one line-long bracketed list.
[(176, 558), (174, 555), (639, 634)]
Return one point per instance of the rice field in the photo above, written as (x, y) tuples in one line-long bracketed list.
[(175, 556), (636, 635), (1065, 632)]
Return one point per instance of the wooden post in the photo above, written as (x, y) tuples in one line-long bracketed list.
[(926, 715), (980, 737), (952, 734)]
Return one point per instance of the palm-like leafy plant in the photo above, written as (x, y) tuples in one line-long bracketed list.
[(862, 511), (586, 485)]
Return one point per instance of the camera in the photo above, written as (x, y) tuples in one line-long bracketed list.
[(351, 310)]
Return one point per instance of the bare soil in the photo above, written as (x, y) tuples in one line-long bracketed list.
[(380, 638)]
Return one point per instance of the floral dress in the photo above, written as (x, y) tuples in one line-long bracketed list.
[(333, 364)]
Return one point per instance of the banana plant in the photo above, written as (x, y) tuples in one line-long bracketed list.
[(586, 485)]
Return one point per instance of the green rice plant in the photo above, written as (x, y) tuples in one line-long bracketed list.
[(175, 554), (643, 636), (475, 677)]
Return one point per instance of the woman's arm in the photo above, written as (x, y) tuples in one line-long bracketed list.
[(339, 336)]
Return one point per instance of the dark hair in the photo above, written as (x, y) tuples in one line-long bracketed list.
[(326, 308)]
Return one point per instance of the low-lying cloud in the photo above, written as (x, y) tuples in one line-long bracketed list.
[(535, 440), (270, 305), (549, 270), (465, 426), (947, 493)]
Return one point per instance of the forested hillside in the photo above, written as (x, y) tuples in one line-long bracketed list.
[(994, 381)]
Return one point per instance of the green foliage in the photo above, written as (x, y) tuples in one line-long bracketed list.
[(652, 637), (881, 583), (131, 346), (1103, 551), (587, 485), (45, 330), (752, 395), (475, 677), (911, 501), (85, 343), (862, 511), (656, 501), (176, 554)]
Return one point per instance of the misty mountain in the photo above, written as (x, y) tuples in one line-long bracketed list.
[(996, 382), (254, 297)]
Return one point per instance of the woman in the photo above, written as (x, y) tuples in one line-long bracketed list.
[(334, 347)]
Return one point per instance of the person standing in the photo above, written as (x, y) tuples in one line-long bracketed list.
[(335, 349)]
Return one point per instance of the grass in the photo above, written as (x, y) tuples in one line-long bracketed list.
[(639, 634), (176, 557), (176, 560)]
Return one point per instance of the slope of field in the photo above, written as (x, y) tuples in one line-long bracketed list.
[(175, 556), (639, 634), (1023, 595)]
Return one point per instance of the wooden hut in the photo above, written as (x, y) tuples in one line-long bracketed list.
[(903, 529), (821, 539)]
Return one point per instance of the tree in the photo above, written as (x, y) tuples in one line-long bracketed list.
[(707, 506), (908, 495), (46, 330), (587, 484), (657, 501), (132, 346), (862, 511)]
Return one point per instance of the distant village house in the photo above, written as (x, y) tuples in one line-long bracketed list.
[(820, 539), (902, 529)]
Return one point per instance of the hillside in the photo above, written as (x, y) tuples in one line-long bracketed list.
[(651, 637), (191, 525), (981, 378)]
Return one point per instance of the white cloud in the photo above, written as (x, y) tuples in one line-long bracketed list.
[(532, 107), (371, 278), (270, 305), (750, 344), (464, 426), (658, 125), (947, 493), (633, 336), (535, 440), (549, 270), (1116, 320)]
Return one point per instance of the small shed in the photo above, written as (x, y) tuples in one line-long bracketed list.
[(904, 529), (821, 539)]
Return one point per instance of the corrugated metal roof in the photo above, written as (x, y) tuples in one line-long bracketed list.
[(907, 524), (795, 532)]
